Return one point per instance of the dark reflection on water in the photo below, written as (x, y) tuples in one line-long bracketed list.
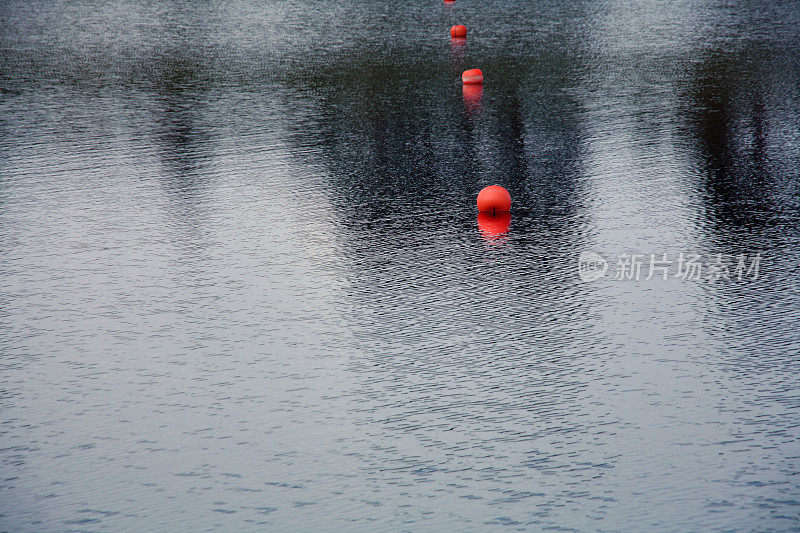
[(741, 105), (244, 283), (184, 140), (727, 121)]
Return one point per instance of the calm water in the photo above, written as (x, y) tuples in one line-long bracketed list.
[(243, 286)]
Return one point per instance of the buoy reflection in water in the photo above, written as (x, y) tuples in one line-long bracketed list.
[(473, 95), (494, 228)]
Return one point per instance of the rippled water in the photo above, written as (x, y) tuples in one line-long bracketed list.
[(244, 286)]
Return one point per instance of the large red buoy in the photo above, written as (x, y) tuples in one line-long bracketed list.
[(458, 31), (494, 199), (473, 75)]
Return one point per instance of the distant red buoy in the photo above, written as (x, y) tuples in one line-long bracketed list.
[(473, 75), (494, 199), (459, 31)]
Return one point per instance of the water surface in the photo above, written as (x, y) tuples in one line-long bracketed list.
[(244, 286)]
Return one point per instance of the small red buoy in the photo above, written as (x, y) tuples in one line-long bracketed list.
[(494, 199), (459, 31), (473, 75)]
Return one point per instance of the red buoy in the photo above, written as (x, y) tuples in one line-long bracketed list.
[(473, 75), (458, 31), (494, 199)]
